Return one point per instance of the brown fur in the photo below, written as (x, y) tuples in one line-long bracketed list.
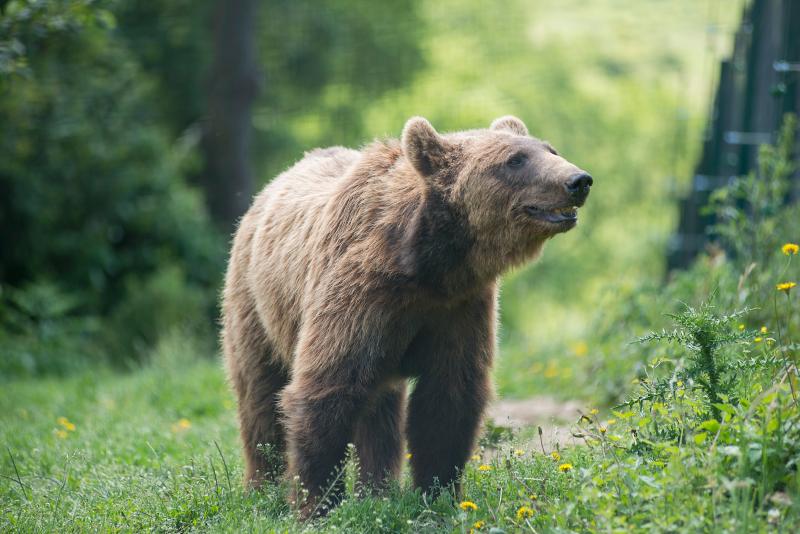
[(356, 270)]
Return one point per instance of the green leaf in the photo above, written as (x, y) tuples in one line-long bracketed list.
[(712, 425)]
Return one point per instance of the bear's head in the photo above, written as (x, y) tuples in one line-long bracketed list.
[(514, 191)]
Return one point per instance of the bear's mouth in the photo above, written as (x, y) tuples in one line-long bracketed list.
[(555, 216)]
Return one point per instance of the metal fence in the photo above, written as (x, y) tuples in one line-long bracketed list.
[(758, 84)]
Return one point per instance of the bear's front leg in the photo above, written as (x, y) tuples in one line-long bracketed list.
[(444, 419), (451, 393), (320, 416)]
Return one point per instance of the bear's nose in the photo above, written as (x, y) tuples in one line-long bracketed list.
[(579, 184)]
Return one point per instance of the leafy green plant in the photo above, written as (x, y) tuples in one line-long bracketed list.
[(703, 334)]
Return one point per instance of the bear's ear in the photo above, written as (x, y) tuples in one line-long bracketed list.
[(511, 124), (423, 146)]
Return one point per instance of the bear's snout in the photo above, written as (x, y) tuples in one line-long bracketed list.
[(578, 186)]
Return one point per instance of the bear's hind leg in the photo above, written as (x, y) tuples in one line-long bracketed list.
[(257, 377), (378, 438), (260, 423)]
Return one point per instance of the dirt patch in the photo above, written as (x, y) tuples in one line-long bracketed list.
[(552, 415)]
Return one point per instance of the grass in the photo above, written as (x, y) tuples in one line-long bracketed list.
[(157, 449)]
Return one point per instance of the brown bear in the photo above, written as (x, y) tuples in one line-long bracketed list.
[(357, 270)]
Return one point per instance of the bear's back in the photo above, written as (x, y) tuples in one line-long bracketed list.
[(276, 238)]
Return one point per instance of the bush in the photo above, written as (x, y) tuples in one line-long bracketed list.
[(93, 198)]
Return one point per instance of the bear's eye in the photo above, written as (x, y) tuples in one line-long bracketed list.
[(516, 161)]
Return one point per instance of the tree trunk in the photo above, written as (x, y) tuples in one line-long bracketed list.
[(233, 86)]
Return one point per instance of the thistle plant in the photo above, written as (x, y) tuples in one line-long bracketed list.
[(702, 333)]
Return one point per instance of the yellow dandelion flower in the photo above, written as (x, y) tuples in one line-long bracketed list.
[(552, 369), (603, 430), (63, 421), (556, 457), (764, 330), (468, 505), (580, 349), (758, 340), (565, 467), (594, 411), (610, 422), (524, 512), (741, 327), (518, 452), (181, 425), (475, 457), (790, 248), (408, 456), (479, 524), (484, 467), (533, 497), (785, 286), (61, 434)]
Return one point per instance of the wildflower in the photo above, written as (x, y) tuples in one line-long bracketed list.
[(580, 349), (785, 286), (64, 422), (594, 411), (518, 452), (475, 457), (479, 524), (764, 330), (408, 456), (790, 248), (533, 498), (181, 425), (524, 512), (468, 505), (484, 467), (741, 327), (61, 434), (610, 422), (565, 467), (603, 430), (555, 455), (551, 371), (758, 340)]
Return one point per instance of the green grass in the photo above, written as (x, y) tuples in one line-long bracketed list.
[(157, 449)]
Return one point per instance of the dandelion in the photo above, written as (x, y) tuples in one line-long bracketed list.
[(533, 498), (610, 422), (64, 422), (61, 434), (764, 330), (479, 524), (790, 248), (468, 505), (556, 457), (408, 456), (518, 452), (758, 340), (181, 425), (785, 287), (475, 457), (484, 467), (565, 467), (524, 512), (580, 349), (741, 327), (594, 411), (603, 430)]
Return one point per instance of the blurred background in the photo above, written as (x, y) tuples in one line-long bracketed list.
[(133, 134)]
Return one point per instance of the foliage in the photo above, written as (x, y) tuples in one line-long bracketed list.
[(93, 203), (747, 208), (703, 334)]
